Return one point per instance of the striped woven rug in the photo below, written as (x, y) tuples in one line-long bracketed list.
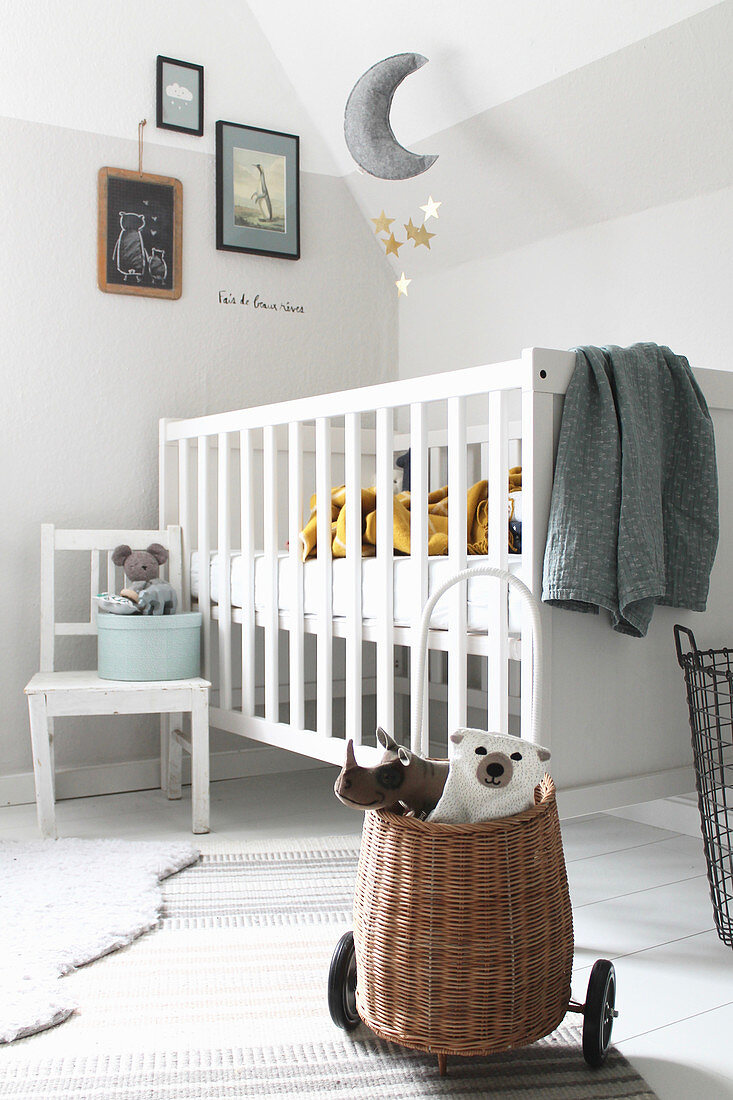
[(227, 999)]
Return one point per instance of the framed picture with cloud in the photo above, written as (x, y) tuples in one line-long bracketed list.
[(180, 96), (257, 191)]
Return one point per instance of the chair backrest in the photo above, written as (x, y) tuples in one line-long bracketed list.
[(104, 573)]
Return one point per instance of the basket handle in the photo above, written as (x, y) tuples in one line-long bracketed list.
[(534, 613), (678, 632)]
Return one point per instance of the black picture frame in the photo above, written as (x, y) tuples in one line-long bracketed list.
[(164, 103), (265, 221)]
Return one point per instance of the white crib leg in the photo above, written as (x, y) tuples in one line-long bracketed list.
[(164, 751), (42, 769), (200, 760), (174, 763)]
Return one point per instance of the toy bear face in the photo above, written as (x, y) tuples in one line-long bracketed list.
[(498, 762), (491, 775), (141, 565)]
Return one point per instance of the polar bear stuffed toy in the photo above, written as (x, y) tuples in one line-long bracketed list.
[(490, 775)]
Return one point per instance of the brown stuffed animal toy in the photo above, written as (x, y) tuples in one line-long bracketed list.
[(402, 780)]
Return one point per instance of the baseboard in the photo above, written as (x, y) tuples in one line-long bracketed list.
[(611, 796), (143, 775), (678, 813)]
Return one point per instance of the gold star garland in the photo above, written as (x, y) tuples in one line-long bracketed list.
[(417, 234)]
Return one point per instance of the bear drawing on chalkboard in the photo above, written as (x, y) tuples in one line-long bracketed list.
[(157, 266), (129, 251)]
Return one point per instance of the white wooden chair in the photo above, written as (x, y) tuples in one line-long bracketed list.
[(53, 694)]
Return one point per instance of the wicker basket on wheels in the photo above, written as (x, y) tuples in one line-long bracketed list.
[(463, 934), (471, 950)]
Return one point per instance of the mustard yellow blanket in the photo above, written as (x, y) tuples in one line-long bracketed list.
[(476, 520)]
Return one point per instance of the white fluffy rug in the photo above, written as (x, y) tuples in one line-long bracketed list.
[(64, 903)]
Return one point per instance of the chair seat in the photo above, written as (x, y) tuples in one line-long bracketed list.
[(45, 683)]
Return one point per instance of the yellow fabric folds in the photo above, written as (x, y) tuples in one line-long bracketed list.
[(477, 516)]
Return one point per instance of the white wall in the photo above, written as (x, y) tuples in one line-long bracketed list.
[(86, 375), (664, 274)]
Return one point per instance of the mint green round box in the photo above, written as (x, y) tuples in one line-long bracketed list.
[(149, 647)]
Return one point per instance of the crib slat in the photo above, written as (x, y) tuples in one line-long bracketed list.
[(457, 529), (204, 548), (324, 675), (385, 560), (537, 474), (498, 624), (295, 524), (418, 555), (184, 519), (352, 478), (270, 499), (247, 543), (224, 545), (94, 585)]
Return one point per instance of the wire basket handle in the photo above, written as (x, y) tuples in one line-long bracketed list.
[(534, 612), (678, 632)]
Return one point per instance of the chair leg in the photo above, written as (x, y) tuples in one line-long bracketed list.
[(174, 763), (42, 767), (52, 746), (200, 760)]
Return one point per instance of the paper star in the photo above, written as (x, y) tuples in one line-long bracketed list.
[(382, 223), (391, 245), (410, 230), (423, 237), (431, 208), (402, 285)]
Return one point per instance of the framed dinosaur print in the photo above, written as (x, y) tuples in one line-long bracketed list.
[(139, 233), (257, 191)]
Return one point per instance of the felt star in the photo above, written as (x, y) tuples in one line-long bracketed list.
[(423, 237), (382, 223), (391, 245), (431, 209), (402, 284), (410, 230)]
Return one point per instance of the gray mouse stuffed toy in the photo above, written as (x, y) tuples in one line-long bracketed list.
[(141, 567), (152, 595)]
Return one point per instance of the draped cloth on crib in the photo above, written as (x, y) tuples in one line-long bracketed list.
[(476, 520), (634, 513)]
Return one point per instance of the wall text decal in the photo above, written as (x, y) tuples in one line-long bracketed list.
[(256, 301)]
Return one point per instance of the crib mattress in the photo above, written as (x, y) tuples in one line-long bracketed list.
[(439, 569)]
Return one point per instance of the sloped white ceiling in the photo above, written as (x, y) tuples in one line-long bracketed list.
[(482, 52)]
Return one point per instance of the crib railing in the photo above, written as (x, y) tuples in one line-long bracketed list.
[(240, 481)]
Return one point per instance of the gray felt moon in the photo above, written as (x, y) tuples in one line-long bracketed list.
[(367, 128)]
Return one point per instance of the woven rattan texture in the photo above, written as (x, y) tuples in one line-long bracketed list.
[(463, 933)]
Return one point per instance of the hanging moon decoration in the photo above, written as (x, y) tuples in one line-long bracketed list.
[(367, 128)]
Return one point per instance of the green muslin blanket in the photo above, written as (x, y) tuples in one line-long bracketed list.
[(634, 512)]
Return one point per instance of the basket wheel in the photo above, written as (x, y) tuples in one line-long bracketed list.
[(600, 1012), (342, 984)]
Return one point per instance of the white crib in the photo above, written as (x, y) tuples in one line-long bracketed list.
[(302, 655)]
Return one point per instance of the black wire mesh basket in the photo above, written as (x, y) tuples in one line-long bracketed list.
[(709, 680)]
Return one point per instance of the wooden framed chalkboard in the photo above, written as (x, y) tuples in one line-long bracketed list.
[(139, 233)]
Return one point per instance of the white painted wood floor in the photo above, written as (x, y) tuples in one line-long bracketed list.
[(639, 891)]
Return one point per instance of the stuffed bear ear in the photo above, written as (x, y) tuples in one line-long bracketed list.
[(544, 754), (456, 738), (120, 554), (159, 552)]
